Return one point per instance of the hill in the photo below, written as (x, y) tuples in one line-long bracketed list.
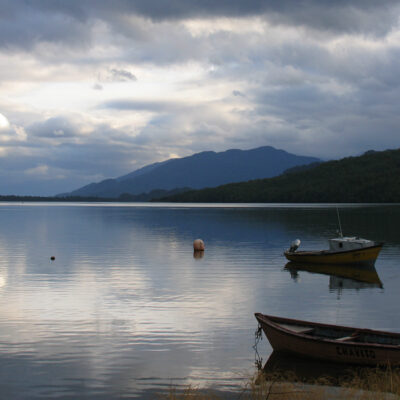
[(206, 169), (370, 178)]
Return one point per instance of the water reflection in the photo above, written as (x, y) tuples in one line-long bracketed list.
[(289, 374), (288, 367), (198, 254), (340, 276), (339, 283), (126, 305)]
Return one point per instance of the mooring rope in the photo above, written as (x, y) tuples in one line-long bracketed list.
[(257, 357)]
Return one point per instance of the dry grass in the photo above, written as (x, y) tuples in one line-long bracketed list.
[(379, 381), (192, 393), (372, 384)]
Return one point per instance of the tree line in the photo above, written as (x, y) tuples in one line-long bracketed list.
[(371, 178)]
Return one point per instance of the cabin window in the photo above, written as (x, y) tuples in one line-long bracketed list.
[(340, 244)]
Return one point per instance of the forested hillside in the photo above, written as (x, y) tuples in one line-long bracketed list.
[(372, 177)]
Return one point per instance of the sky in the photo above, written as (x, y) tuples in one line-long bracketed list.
[(95, 89)]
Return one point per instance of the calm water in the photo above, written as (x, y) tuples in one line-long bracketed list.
[(126, 308)]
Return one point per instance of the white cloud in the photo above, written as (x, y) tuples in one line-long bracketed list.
[(4, 124)]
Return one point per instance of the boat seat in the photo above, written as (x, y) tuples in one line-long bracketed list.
[(306, 330), (297, 328), (344, 338), (350, 338)]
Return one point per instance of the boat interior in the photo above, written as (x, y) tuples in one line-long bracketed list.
[(344, 335)]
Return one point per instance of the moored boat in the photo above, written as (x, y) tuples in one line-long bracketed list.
[(331, 342), (342, 250)]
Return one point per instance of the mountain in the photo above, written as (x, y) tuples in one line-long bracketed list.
[(370, 178), (206, 169)]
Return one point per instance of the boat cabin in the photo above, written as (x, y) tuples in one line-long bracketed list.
[(349, 243)]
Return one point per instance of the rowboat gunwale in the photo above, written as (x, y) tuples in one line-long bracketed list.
[(269, 321)]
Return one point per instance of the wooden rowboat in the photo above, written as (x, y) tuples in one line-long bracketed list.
[(331, 342)]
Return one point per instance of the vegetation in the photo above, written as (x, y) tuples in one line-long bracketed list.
[(370, 178), (125, 197), (365, 384), (51, 199), (150, 195)]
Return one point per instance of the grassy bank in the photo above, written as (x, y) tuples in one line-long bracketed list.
[(370, 384)]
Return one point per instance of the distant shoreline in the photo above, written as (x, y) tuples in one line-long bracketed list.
[(77, 199), (13, 198)]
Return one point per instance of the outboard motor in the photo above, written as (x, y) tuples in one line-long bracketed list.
[(294, 246)]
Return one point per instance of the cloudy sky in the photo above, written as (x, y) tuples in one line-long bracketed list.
[(93, 89)]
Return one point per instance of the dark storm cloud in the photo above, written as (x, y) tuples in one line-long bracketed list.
[(120, 75), (323, 122), (27, 22), (57, 127), (97, 86), (308, 12), (238, 93), (135, 105), (365, 16)]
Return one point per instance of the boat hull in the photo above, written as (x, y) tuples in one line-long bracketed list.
[(283, 340), (364, 256)]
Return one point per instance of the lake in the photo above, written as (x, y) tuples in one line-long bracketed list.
[(126, 309)]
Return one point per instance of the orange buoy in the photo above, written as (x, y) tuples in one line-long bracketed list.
[(198, 245)]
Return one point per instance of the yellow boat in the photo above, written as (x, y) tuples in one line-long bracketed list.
[(342, 250)]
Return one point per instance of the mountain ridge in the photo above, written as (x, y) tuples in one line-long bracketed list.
[(199, 170)]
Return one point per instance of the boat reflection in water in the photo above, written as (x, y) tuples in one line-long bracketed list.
[(340, 276), (283, 367), (290, 367)]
